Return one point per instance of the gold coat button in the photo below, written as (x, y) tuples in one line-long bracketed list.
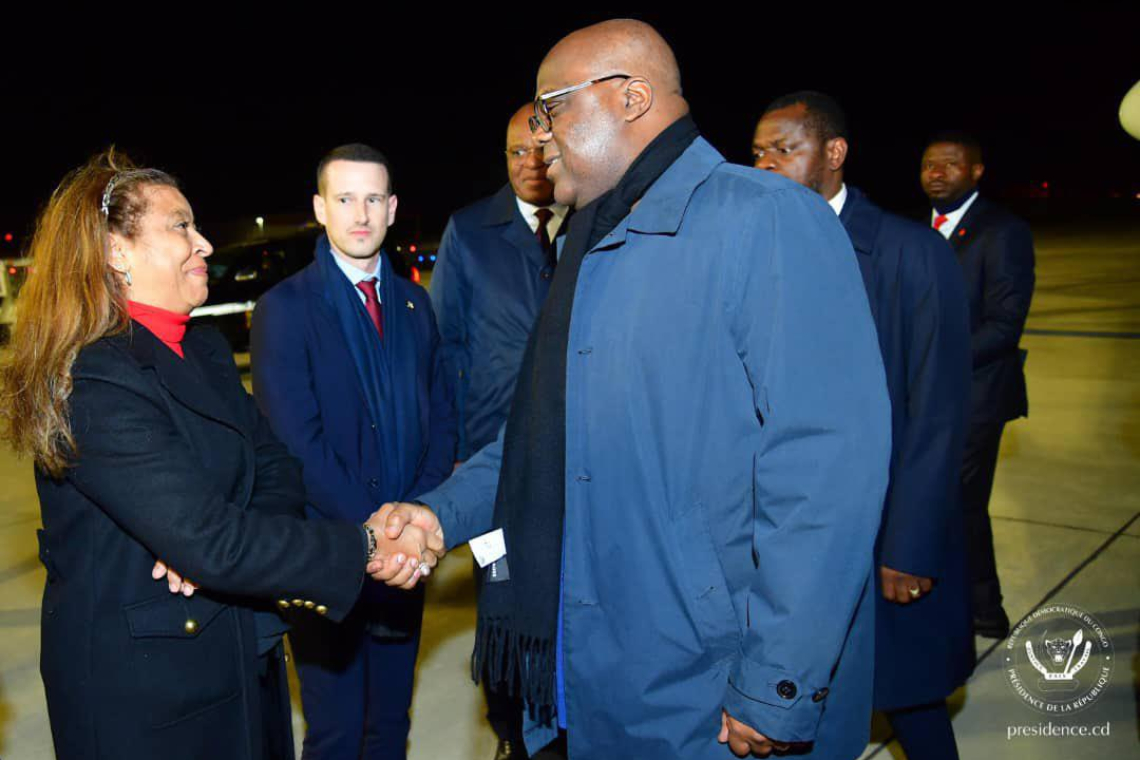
[(191, 626), (309, 605), (283, 603), (322, 610), (298, 602)]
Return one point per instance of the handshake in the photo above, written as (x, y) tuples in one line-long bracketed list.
[(409, 543)]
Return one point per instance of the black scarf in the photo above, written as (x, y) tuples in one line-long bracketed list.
[(518, 617)]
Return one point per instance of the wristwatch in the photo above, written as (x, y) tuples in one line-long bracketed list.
[(371, 536)]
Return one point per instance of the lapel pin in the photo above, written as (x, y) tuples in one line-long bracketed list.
[(962, 232), (411, 305)]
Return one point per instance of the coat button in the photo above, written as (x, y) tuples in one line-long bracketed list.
[(310, 605), (820, 695), (786, 689), (298, 602), (322, 610), (191, 626), (283, 603), (374, 482)]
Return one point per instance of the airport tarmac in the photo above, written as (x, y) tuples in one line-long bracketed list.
[(1065, 507)]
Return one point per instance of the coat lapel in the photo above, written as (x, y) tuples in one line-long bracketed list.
[(504, 216), (967, 228), (192, 388)]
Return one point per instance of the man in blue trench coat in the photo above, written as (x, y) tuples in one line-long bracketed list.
[(924, 643), (691, 477)]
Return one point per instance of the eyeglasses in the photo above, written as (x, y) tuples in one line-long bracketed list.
[(543, 120)]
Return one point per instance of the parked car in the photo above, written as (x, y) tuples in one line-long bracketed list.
[(239, 274)]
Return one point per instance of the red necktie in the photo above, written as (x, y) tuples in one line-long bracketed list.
[(543, 234), (940, 220), (372, 304)]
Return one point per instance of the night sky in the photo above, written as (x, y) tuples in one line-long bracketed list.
[(242, 117)]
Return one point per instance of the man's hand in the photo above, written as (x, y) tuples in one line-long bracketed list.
[(405, 550), (744, 740), (400, 514), (903, 588), (174, 581)]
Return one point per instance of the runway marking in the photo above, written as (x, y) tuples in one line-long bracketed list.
[(1121, 531), (1083, 334), (1101, 531)]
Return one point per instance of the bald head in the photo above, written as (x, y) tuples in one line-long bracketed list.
[(518, 128), (632, 93), (621, 46)]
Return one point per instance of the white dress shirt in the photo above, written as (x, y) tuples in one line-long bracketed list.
[(954, 217), (355, 275), (558, 214), (836, 202)]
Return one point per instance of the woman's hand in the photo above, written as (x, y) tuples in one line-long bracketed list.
[(177, 584)]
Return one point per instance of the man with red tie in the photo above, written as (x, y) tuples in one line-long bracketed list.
[(496, 262), (347, 368), (995, 250)]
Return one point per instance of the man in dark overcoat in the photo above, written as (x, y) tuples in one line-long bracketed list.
[(924, 648)]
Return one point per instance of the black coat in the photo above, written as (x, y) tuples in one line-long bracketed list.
[(173, 461), (995, 250), (925, 649)]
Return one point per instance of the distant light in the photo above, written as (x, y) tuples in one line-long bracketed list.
[(11, 270), (420, 259), (415, 275), (1044, 185), (7, 237), (412, 248), (432, 257), (260, 221), (1138, 196)]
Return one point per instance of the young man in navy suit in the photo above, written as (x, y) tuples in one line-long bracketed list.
[(924, 647), (495, 265), (995, 250), (347, 368)]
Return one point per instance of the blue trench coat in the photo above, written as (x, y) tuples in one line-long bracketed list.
[(727, 444), (925, 649)]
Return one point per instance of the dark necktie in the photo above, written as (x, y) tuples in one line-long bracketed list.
[(372, 304), (543, 234)]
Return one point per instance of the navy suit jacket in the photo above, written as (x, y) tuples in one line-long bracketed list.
[(487, 288), (924, 650), (307, 384), (995, 250)]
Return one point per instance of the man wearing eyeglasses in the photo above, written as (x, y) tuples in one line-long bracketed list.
[(495, 265), (691, 476)]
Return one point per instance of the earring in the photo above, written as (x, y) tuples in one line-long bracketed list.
[(127, 277)]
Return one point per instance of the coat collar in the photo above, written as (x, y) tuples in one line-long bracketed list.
[(663, 206), (502, 209), (862, 219), (194, 381)]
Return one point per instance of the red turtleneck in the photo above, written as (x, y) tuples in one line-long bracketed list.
[(167, 326)]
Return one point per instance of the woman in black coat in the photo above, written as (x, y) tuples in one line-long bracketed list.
[(146, 446)]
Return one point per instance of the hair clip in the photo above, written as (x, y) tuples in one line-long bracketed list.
[(105, 205)]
